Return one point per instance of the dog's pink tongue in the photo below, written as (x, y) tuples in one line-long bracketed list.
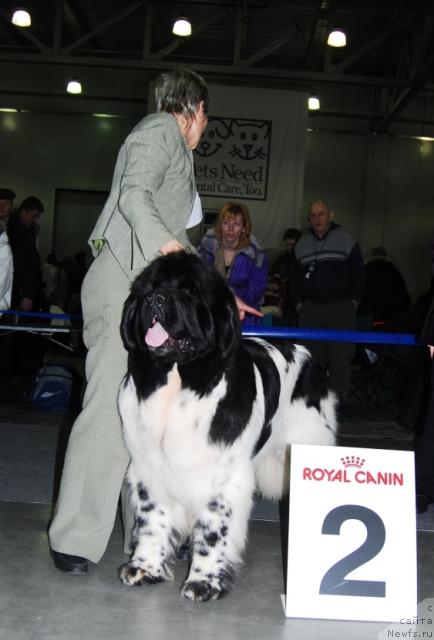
[(156, 335)]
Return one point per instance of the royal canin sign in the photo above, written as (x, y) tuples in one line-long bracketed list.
[(352, 471)]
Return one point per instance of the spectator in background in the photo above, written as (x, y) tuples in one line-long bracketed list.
[(6, 271), (79, 271), (71, 275), (6, 264), (327, 282), (386, 295), (67, 269), (50, 278), (424, 444), (277, 297), (77, 276), (232, 249), (409, 364), (6, 277), (7, 197), (27, 290), (282, 264)]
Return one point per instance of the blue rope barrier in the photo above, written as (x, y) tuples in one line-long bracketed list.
[(292, 333), (329, 335), (42, 314)]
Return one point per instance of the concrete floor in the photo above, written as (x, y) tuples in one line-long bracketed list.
[(38, 602)]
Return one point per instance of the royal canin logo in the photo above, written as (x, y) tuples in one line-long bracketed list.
[(352, 471), (353, 461)]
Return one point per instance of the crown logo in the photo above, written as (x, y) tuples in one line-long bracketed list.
[(353, 461)]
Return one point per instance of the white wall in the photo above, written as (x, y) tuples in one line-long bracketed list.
[(42, 152), (381, 187)]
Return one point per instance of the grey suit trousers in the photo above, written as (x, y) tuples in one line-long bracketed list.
[(96, 459)]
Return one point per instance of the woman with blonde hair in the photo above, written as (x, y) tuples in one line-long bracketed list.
[(234, 251)]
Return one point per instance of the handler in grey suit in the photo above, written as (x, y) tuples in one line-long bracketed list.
[(145, 215)]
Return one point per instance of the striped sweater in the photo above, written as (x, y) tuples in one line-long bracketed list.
[(327, 269)]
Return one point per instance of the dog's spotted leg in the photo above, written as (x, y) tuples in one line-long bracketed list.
[(153, 542), (218, 540)]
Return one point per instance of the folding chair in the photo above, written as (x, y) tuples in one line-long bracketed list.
[(371, 378)]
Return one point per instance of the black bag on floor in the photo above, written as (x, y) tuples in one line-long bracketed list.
[(55, 388)]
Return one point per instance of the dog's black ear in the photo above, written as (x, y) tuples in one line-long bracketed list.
[(128, 323), (228, 326)]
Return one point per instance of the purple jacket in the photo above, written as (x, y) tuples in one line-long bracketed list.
[(247, 277)]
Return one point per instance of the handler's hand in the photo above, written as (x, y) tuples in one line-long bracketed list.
[(171, 247), (244, 308)]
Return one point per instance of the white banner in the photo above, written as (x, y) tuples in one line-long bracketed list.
[(233, 159), (253, 151)]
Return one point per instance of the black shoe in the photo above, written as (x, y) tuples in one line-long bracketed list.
[(70, 564), (422, 503)]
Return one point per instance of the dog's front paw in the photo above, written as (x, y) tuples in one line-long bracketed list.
[(202, 591), (132, 575)]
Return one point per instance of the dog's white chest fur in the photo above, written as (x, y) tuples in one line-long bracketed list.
[(171, 413), (171, 445)]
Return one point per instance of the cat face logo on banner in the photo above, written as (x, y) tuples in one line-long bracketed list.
[(232, 159)]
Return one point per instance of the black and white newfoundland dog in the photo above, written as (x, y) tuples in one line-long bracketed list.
[(207, 418)]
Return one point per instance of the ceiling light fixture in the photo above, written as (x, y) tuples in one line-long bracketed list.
[(74, 86), (313, 103), (182, 27), (21, 18), (337, 37), (106, 115), (410, 137)]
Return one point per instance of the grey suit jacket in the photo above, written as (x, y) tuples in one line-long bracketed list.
[(152, 194)]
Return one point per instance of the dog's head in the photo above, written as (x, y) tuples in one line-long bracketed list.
[(180, 309)]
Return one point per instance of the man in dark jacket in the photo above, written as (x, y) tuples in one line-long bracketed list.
[(424, 443), (386, 295), (27, 289), (327, 282)]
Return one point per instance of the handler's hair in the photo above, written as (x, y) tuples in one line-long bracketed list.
[(181, 91), (230, 210)]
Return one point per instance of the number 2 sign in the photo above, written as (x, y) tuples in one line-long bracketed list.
[(352, 534)]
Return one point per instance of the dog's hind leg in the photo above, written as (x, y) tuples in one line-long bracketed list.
[(219, 537), (154, 539)]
